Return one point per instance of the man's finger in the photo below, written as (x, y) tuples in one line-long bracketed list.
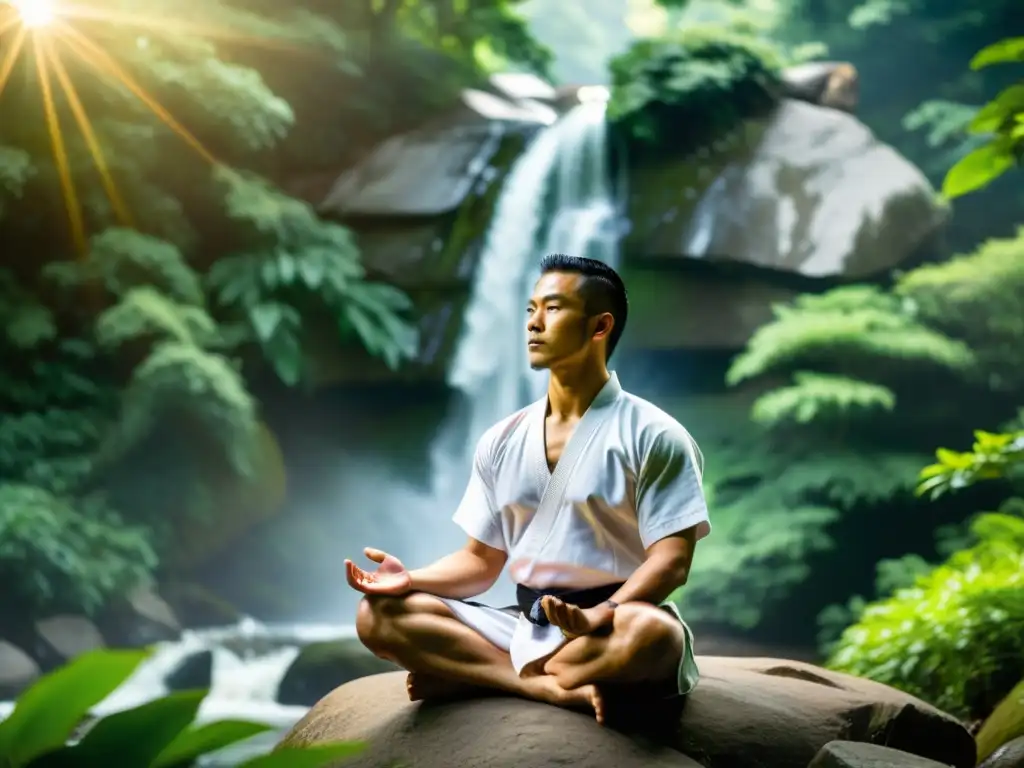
[(375, 554)]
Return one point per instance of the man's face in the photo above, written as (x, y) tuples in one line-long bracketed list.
[(558, 329)]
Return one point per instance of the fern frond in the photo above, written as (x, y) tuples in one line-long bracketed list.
[(816, 395)]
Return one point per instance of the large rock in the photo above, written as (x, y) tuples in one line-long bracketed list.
[(767, 713), (17, 670), (140, 618), (810, 191), (321, 667), (68, 635), (852, 754)]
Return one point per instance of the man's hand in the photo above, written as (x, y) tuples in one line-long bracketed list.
[(575, 621), (390, 578)]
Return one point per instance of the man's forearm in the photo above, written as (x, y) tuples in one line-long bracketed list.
[(653, 581), (459, 575)]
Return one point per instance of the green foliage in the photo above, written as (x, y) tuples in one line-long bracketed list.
[(978, 299), (158, 734), (294, 265), (774, 501), (994, 456), (1002, 119), (687, 88), (55, 554), (816, 396), (957, 633), (842, 327)]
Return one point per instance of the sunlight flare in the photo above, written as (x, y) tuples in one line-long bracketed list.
[(35, 14)]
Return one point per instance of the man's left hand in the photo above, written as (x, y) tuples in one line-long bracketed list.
[(575, 621)]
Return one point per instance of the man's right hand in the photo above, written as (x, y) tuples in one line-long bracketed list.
[(390, 578)]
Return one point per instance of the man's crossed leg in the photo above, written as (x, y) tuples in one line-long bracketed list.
[(443, 655)]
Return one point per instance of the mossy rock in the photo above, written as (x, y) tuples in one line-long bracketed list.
[(1005, 724), (322, 667)]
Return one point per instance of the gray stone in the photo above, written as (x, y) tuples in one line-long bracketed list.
[(1009, 755), (17, 670), (429, 172), (811, 191), (851, 754), (70, 635)]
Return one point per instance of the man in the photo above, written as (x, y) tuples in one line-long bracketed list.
[(593, 498)]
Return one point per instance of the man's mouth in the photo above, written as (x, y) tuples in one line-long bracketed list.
[(533, 343)]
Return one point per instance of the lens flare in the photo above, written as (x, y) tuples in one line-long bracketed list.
[(35, 13)]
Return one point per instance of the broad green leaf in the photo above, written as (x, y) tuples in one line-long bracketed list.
[(994, 116), (306, 757), (136, 736), (977, 169), (207, 738), (1004, 52), (953, 459), (48, 712)]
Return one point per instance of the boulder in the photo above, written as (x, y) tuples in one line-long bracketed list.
[(852, 754), (1010, 755), (321, 667), (769, 713), (139, 619), (197, 607), (17, 670), (192, 672), (68, 635), (809, 191)]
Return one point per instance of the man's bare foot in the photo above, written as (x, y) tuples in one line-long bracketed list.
[(423, 687), (587, 697)]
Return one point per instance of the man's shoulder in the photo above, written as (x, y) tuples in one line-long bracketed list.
[(652, 427), (497, 436)]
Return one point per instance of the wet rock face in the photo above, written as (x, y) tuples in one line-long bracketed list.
[(809, 191)]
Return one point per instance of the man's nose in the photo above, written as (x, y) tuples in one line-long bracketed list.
[(533, 322)]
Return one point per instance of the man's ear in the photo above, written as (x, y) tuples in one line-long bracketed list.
[(603, 325)]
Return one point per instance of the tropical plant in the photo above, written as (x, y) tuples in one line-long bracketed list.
[(44, 730), (687, 88), (1001, 120)]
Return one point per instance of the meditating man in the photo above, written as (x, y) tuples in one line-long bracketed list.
[(593, 498)]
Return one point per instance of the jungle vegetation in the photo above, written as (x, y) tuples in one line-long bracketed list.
[(147, 289)]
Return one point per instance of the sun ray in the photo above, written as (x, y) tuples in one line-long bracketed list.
[(85, 126), (172, 26), (11, 20), (7, 65), (103, 62), (60, 156)]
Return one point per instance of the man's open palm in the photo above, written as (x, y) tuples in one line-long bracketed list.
[(390, 578)]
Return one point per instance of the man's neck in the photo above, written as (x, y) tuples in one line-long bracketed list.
[(570, 392)]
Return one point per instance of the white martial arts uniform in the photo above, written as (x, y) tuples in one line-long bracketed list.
[(634, 479)]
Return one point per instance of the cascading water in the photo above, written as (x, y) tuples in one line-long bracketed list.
[(557, 199)]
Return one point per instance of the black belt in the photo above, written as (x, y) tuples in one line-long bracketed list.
[(529, 600)]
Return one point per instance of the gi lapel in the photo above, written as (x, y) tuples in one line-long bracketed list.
[(543, 523)]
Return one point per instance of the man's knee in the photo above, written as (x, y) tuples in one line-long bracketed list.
[(374, 617), (648, 631), (378, 617)]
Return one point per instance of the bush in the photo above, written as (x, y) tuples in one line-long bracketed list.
[(956, 636), (688, 89), (159, 734)]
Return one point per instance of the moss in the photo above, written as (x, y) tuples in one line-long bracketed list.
[(1005, 724), (322, 667)]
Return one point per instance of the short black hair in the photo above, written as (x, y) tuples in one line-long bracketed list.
[(602, 289)]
